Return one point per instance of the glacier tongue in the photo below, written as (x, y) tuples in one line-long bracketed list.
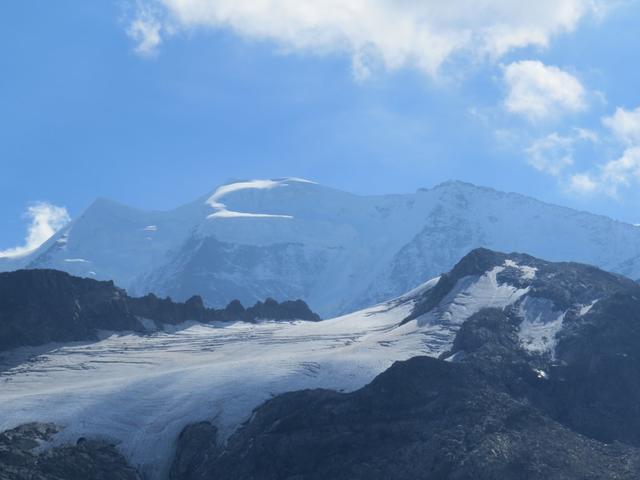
[(141, 391)]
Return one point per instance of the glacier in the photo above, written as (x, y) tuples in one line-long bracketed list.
[(140, 390)]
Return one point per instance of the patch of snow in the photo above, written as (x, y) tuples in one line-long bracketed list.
[(300, 180), (223, 212), (541, 374), (526, 272), (148, 324), (584, 309), (230, 214), (455, 357), (470, 295), (150, 228), (540, 325), (76, 260)]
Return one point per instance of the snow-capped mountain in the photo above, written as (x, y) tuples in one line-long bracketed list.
[(139, 391), (291, 238)]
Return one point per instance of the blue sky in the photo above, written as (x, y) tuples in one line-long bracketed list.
[(155, 102)]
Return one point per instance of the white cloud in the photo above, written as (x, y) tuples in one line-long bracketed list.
[(625, 125), (620, 172), (145, 30), (553, 154), (538, 91), (422, 34), (582, 183), (45, 220), (611, 176)]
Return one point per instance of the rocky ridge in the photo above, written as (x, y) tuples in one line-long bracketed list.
[(42, 306)]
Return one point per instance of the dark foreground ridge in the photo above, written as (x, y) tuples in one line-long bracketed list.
[(20, 458), (488, 409), (42, 306)]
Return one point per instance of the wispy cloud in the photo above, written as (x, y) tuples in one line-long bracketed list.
[(418, 34), (625, 125), (145, 30), (538, 91), (554, 153), (45, 219), (620, 172)]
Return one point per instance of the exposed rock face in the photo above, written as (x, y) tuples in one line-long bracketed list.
[(423, 418), (197, 445), (489, 408), (41, 306), (23, 458)]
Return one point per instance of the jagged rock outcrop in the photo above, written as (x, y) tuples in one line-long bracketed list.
[(42, 306), (25, 455)]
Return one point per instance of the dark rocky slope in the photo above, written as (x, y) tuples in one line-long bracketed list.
[(423, 418), (41, 306), (488, 409), (22, 459)]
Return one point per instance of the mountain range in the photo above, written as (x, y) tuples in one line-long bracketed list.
[(292, 238), (507, 366)]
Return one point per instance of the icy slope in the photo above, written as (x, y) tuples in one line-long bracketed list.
[(141, 391), (291, 238)]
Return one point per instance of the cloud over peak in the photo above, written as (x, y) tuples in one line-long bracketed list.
[(45, 220)]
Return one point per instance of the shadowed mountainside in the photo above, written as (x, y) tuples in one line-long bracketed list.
[(41, 306)]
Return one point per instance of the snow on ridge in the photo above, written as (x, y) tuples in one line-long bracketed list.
[(540, 325), (299, 180), (470, 295), (419, 290), (474, 293), (223, 212), (526, 272)]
